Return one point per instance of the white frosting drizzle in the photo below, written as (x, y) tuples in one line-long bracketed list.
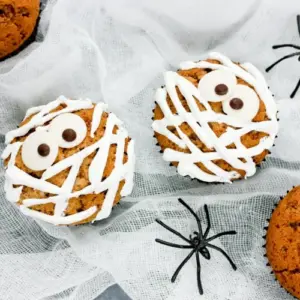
[(33, 110), (15, 176), (199, 122), (98, 110), (44, 115), (58, 220), (12, 193)]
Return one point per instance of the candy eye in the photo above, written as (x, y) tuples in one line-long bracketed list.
[(39, 150), (69, 129), (217, 85), (243, 103)]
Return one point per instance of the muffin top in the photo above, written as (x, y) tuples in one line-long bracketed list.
[(283, 242), (214, 119), (68, 162), (18, 19)]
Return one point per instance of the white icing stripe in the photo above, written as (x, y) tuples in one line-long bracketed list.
[(19, 177), (32, 202), (33, 110), (209, 137), (15, 176), (110, 196), (97, 115), (59, 220), (199, 122), (45, 116), (69, 161), (127, 188), (11, 150), (12, 194), (98, 164), (100, 187), (241, 148), (248, 73), (262, 90)]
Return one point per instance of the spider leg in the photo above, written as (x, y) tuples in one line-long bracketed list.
[(208, 221), (298, 23), (221, 234), (200, 288), (205, 253), (193, 213), (173, 245), (296, 89), (281, 59), (172, 230), (182, 264), (286, 46), (224, 253)]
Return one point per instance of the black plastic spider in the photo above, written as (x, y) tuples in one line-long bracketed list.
[(199, 242), (288, 56)]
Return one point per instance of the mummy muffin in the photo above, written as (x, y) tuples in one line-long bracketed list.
[(17, 23), (69, 162), (215, 120), (283, 242)]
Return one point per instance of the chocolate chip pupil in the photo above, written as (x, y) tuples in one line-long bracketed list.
[(236, 103), (221, 89), (69, 135), (43, 150)]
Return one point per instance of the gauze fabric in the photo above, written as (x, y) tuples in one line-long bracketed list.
[(116, 52)]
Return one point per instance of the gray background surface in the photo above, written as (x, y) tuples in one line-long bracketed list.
[(113, 293)]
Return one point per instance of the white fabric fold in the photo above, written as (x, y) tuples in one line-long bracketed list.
[(116, 52)]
